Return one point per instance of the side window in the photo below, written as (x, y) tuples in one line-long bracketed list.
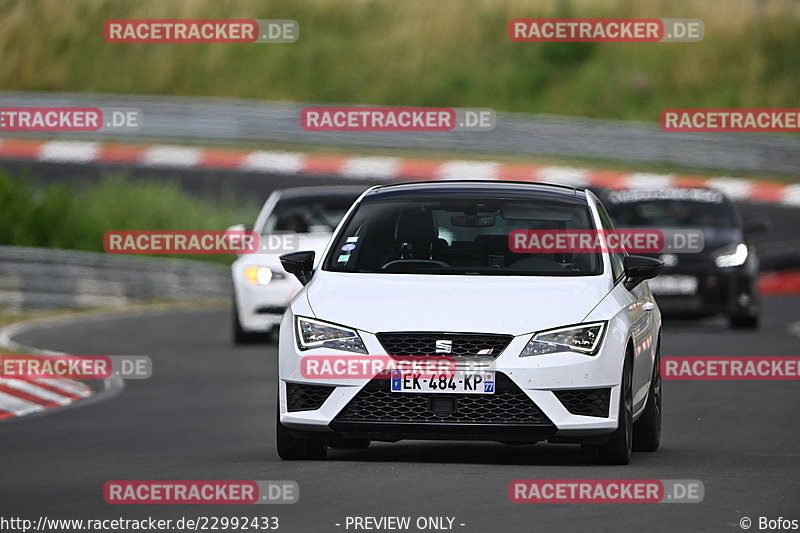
[(616, 258)]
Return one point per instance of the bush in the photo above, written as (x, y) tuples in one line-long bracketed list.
[(57, 216)]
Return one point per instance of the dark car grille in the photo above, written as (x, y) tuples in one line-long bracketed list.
[(465, 346), (587, 402), (508, 405), (306, 397)]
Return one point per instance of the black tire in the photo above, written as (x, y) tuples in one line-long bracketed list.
[(744, 321), (271, 336), (293, 449), (617, 449), (647, 430), (240, 336)]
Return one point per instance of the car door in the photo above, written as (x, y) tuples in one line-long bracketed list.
[(640, 314)]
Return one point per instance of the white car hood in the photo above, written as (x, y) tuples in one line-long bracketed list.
[(481, 304)]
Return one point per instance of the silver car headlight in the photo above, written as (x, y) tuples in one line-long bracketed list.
[(733, 255), (583, 338), (313, 333)]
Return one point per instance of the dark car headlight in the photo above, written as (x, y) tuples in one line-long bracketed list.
[(312, 333), (583, 338)]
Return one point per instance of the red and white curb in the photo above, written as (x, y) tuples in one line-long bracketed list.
[(785, 282), (384, 168), (22, 397)]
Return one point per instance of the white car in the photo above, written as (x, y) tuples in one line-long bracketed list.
[(302, 218), (566, 344)]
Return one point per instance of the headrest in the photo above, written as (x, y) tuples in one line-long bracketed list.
[(415, 225)]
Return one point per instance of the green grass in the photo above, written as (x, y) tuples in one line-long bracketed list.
[(418, 52), (60, 216)]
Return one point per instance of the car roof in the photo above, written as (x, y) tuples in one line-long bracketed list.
[(478, 189)]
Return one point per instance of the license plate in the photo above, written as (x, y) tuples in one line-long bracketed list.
[(450, 382), (674, 285)]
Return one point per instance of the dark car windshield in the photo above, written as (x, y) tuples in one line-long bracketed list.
[(457, 236), (308, 214), (630, 209)]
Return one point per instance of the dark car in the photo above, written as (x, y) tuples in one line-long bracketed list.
[(719, 279)]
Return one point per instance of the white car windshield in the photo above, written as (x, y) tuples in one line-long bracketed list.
[(307, 214)]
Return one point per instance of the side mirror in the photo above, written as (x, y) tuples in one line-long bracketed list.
[(301, 264), (236, 230), (639, 268), (757, 224)]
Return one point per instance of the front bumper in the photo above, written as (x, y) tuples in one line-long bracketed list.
[(537, 398), (719, 291), (261, 307)]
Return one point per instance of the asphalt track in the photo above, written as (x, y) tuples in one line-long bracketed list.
[(208, 413)]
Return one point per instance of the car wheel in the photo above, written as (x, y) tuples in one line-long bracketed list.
[(240, 336), (744, 321), (647, 430), (617, 449), (293, 449)]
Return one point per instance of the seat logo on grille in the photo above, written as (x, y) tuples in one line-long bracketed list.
[(444, 346)]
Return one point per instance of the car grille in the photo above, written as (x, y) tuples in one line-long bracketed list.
[(587, 402), (508, 405), (306, 397), (464, 346)]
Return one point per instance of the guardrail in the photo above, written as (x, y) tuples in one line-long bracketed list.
[(39, 278), (236, 121)]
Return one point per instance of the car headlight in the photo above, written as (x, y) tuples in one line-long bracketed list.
[(731, 256), (317, 334), (584, 338), (258, 275)]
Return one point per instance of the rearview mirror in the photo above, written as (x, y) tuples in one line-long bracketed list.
[(235, 230), (639, 268), (301, 264), (472, 221)]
